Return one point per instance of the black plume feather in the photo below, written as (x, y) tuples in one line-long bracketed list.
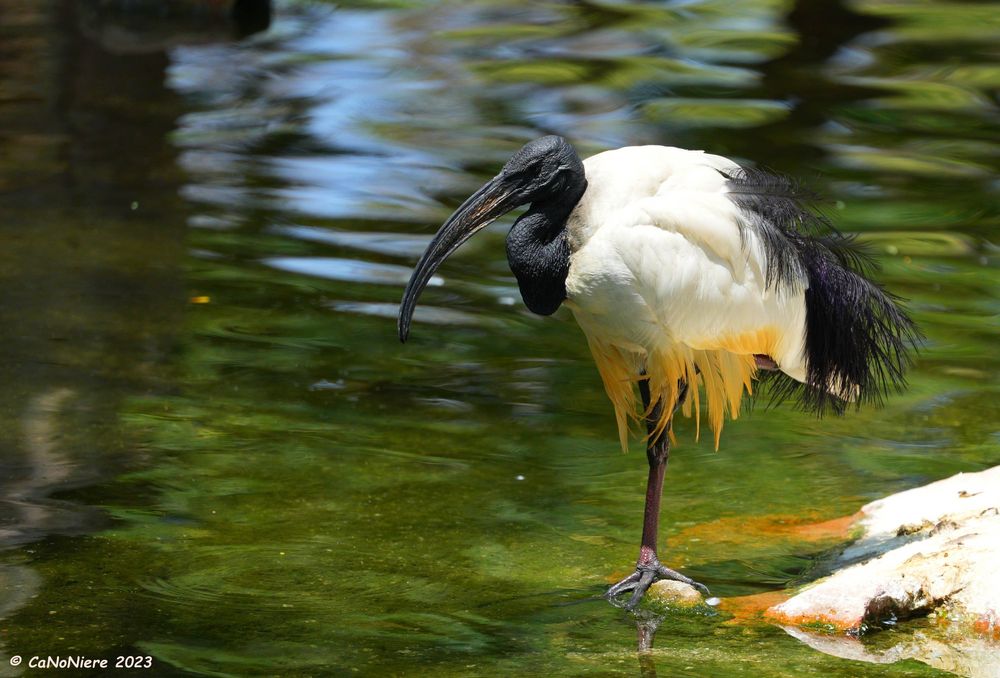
[(857, 336), (774, 207)]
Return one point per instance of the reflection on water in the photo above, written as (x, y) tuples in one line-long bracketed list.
[(348, 270), (452, 506)]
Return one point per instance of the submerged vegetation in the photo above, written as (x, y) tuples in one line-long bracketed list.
[(217, 452)]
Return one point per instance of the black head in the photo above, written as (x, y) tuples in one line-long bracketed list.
[(543, 168), (541, 171)]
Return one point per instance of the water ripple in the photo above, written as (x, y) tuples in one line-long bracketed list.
[(393, 244), (434, 315), (347, 270)]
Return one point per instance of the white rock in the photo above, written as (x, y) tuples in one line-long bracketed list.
[(933, 547)]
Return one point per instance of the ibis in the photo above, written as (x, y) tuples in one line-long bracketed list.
[(692, 277)]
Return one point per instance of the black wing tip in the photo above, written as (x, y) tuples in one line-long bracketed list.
[(762, 181), (782, 214), (857, 332)]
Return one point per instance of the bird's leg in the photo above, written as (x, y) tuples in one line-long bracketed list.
[(648, 568)]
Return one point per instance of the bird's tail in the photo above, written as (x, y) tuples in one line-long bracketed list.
[(858, 338)]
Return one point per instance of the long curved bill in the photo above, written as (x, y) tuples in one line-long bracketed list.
[(490, 202)]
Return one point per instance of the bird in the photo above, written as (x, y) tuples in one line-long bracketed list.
[(697, 282)]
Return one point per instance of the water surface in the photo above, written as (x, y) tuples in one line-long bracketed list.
[(218, 453)]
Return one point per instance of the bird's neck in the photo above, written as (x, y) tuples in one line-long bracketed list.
[(537, 249)]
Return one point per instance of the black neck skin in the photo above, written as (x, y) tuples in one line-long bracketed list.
[(538, 252)]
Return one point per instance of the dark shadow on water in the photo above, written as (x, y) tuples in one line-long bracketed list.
[(154, 27), (94, 239)]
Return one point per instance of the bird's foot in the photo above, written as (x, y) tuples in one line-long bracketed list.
[(639, 582)]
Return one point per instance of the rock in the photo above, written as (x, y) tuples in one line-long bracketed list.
[(933, 548), (674, 593)]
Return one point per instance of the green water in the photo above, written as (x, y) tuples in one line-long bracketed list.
[(216, 451)]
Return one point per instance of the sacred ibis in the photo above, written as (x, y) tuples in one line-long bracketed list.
[(690, 276)]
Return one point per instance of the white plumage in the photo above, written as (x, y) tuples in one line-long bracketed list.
[(663, 280)]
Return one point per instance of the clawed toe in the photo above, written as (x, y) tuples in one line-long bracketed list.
[(666, 573), (626, 584), (639, 582)]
